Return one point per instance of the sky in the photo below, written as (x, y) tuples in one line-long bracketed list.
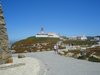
[(24, 18)]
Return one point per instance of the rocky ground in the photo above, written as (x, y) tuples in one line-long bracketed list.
[(90, 54)]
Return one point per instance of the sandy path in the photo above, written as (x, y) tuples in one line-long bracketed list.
[(60, 65), (28, 66)]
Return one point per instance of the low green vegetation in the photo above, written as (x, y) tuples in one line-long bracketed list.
[(80, 42)]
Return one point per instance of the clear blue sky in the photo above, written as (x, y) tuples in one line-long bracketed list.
[(24, 18)]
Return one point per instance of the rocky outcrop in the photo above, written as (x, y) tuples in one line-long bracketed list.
[(5, 55), (90, 54)]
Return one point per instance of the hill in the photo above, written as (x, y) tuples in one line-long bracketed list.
[(33, 44)]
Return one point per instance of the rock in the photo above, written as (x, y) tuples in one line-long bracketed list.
[(48, 49), (5, 54), (77, 55), (9, 60), (61, 53), (70, 54), (95, 56), (25, 51), (21, 55), (38, 50)]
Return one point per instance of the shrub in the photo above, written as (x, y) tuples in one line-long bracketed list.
[(82, 57), (93, 59)]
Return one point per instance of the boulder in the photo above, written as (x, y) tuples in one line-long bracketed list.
[(61, 53), (21, 55), (70, 54)]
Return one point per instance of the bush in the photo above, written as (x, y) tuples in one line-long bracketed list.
[(80, 42), (82, 57), (95, 50), (93, 59)]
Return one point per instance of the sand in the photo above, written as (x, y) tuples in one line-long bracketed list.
[(22, 66)]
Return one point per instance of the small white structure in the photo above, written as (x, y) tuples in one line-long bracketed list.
[(50, 34), (41, 35), (53, 35), (97, 38), (78, 38), (83, 38)]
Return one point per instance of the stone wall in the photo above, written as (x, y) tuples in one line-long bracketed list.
[(5, 55)]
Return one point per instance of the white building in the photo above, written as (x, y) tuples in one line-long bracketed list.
[(83, 38), (41, 35), (97, 38), (50, 34), (53, 35), (78, 38)]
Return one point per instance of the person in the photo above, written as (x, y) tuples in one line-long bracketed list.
[(56, 48)]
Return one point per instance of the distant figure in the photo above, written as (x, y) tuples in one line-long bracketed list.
[(56, 48)]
